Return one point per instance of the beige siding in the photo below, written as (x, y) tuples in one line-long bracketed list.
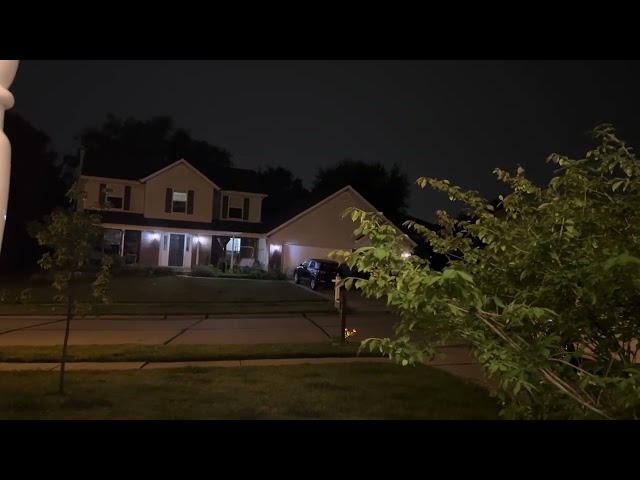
[(137, 198), (149, 249), (324, 226), (255, 209), (92, 189), (181, 178), (205, 250)]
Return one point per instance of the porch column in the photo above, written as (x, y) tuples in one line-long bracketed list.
[(122, 243), (8, 69), (197, 250), (232, 252)]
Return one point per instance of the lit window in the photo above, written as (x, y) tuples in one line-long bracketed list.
[(179, 204), (235, 244)]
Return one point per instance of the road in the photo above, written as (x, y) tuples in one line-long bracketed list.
[(240, 329)]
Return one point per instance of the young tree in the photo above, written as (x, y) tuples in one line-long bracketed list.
[(71, 236), (544, 292)]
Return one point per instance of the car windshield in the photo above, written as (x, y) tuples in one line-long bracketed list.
[(329, 266)]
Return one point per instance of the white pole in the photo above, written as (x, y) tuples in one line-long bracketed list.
[(8, 69)]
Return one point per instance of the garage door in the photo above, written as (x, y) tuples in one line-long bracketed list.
[(294, 255)]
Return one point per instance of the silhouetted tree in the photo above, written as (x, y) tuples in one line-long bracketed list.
[(124, 141), (281, 186), (35, 189), (386, 189)]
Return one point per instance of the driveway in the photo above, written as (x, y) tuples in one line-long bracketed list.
[(355, 299)]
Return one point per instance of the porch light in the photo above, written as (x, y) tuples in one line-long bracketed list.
[(154, 236), (405, 254), (275, 248)]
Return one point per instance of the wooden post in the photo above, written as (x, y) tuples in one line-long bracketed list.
[(340, 298), (343, 314)]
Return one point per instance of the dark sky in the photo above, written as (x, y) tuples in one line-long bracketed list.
[(446, 119)]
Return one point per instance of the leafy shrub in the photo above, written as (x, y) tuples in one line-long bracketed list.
[(545, 291), (161, 271), (204, 271), (144, 271), (252, 273)]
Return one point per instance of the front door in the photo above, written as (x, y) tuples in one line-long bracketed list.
[(176, 250)]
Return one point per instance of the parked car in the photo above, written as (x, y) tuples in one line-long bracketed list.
[(317, 272)]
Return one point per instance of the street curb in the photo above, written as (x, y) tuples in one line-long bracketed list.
[(162, 317)]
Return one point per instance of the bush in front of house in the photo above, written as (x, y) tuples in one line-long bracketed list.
[(252, 273), (142, 271), (205, 271), (22, 297)]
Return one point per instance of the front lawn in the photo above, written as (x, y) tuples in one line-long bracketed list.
[(170, 295), (346, 391), (178, 353)]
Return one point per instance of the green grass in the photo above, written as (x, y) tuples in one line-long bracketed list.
[(177, 353), (173, 295), (346, 391)]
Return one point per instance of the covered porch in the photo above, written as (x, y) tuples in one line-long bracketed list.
[(184, 249)]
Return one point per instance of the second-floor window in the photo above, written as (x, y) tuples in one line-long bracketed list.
[(179, 201), (115, 197), (235, 207), (179, 204)]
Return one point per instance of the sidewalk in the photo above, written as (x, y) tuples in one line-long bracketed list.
[(458, 363)]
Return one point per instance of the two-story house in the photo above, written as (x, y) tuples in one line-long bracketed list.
[(189, 213)]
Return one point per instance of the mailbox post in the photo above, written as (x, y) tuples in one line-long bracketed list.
[(340, 301)]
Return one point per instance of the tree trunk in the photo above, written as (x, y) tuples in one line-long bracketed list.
[(63, 360)]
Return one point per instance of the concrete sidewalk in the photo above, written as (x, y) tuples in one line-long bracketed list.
[(223, 329), (458, 362)]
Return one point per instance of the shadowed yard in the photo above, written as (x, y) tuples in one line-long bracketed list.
[(177, 289), (170, 295), (177, 353), (345, 391)]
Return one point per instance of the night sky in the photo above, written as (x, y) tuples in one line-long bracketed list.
[(445, 119)]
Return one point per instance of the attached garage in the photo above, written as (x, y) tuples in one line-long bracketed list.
[(294, 255), (319, 230)]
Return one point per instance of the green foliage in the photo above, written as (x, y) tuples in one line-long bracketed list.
[(254, 273), (544, 290), (205, 271), (71, 236), (22, 297)]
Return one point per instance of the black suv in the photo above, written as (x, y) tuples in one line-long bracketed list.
[(318, 272)]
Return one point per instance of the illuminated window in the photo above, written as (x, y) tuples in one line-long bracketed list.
[(179, 204), (235, 244)]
